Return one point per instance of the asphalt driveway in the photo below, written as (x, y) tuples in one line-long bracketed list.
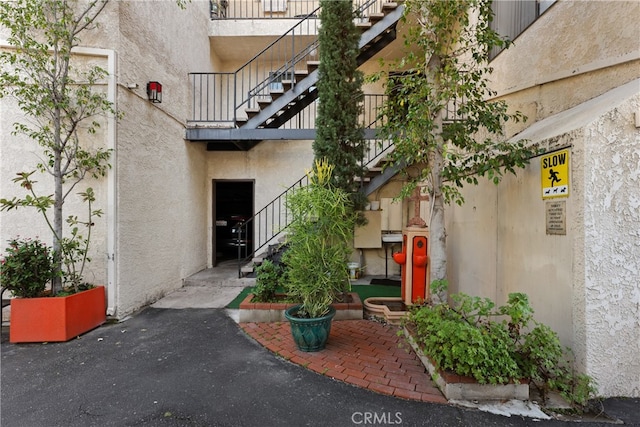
[(196, 367)]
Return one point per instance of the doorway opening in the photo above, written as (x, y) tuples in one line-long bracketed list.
[(232, 206)]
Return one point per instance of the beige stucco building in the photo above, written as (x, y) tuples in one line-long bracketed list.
[(574, 71)]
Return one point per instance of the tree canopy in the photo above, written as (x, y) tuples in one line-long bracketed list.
[(61, 107), (440, 110)]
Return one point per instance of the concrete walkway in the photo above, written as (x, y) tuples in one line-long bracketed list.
[(210, 288)]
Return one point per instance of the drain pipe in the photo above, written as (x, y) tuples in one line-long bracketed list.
[(112, 211)]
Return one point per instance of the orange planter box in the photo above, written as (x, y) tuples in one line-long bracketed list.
[(51, 319)]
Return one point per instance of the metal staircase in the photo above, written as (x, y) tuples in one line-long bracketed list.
[(272, 96)]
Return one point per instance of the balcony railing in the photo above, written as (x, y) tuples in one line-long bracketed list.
[(270, 9), (226, 98)]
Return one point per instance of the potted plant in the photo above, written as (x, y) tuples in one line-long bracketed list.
[(63, 109), (319, 240), (26, 271)]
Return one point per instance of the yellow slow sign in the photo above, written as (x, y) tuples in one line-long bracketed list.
[(554, 173)]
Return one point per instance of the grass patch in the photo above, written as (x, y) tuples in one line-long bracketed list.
[(235, 304), (368, 291), (364, 291)]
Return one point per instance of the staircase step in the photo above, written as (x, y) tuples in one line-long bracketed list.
[(250, 267), (312, 65), (287, 84), (301, 73), (247, 269), (388, 7), (276, 93), (364, 26), (375, 17), (252, 112), (263, 102)]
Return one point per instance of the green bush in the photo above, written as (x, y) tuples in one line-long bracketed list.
[(320, 241), (26, 268), (268, 277), (472, 338)]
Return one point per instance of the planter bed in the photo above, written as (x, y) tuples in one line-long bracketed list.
[(56, 319), (274, 311), (456, 387)]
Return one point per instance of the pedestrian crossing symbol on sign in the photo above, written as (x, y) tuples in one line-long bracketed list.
[(554, 171)]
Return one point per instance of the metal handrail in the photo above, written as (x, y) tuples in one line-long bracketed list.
[(220, 97), (267, 224), (261, 9)]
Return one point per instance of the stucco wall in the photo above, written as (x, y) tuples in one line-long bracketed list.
[(497, 245), (585, 284), (612, 249), (574, 52), (161, 185)]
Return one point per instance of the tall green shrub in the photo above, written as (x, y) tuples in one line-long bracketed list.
[(319, 239), (339, 136)]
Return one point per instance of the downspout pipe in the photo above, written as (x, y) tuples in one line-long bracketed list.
[(112, 208), (110, 56)]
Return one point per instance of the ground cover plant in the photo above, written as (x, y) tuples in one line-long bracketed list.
[(495, 345)]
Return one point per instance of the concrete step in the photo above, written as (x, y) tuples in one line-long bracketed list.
[(223, 275)]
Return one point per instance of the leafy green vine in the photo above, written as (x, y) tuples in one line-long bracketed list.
[(471, 337)]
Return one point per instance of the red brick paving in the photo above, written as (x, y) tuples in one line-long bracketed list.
[(364, 353)]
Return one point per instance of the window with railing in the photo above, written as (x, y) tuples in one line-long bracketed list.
[(512, 17)]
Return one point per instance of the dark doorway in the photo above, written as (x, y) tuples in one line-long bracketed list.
[(232, 206)]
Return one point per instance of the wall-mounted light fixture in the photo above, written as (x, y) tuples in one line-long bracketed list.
[(154, 91)]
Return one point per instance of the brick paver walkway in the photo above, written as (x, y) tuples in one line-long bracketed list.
[(364, 353)]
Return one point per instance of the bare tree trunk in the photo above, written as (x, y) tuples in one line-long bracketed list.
[(437, 232), (56, 283)]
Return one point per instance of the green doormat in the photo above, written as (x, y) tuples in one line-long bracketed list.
[(364, 291)]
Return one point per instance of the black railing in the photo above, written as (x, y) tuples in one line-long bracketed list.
[(267, 224), (219, 97), (225, 99), (261, 9)]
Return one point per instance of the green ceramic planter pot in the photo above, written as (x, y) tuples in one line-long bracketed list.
[(310, 334)]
